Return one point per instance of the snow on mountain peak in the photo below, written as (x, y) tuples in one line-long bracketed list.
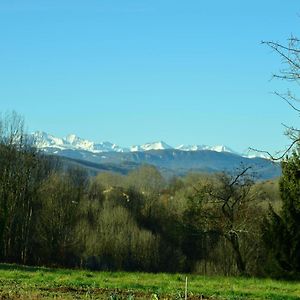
[(183, 147), (79, 143), (71, 138), (217, 148), (151, 146), (222, 148), (108, 147), (44, 141)]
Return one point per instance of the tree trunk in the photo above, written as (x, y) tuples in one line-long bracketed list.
[(240, 263)]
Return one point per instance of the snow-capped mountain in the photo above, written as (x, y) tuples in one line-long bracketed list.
[(151, 146), (106, 156), (217, 148), (46, 142)]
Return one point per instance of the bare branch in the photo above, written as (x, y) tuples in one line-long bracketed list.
[(239, 176), (276, 47), (279, 157), (292, 132), (287, 101)]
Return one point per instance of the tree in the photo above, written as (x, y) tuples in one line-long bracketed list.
[(290, 57), (148, 183), (147, 180), (56, 235), (281, 232), (113, 238), (229, 211)]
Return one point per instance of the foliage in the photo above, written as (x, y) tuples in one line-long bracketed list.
[(282, 231), (57, 216)]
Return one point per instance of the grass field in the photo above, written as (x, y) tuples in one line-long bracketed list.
[(21, 282)]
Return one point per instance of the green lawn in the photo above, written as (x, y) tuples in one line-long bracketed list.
[(20, 282)]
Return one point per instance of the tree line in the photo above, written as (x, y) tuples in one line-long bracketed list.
[(52, 215)]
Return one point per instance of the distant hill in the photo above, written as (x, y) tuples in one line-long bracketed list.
[(170, 162), (106, 156)]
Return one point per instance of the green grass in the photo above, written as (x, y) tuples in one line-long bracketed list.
[(21, 282)]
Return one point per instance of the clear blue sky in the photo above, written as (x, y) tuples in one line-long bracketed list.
[(134, 71)]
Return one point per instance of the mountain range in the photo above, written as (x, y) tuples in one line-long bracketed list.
[(45, 141), (107, 156)]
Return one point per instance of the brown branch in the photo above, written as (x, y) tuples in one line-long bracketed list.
[(239, 175), (281, 156), (287, 101), (292, 132), (275, 47), (287, 75), (274, 44)]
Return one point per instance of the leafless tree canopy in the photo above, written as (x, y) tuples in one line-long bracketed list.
[(290, 57)]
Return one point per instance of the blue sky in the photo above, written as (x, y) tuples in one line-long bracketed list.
[(130, 72)]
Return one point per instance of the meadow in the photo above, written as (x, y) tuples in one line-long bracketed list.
[(23, 282)]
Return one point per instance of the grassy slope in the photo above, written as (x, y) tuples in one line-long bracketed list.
[(36, 283)]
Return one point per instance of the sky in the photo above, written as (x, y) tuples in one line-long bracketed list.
[(137, 71)]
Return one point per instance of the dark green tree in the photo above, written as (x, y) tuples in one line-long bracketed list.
[(281, 231)]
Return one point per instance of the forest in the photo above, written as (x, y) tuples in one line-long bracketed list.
[(211, 224)]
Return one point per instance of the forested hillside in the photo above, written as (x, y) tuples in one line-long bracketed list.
[(207, 223)]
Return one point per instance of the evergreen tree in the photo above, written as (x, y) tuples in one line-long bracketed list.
[(281, 232)]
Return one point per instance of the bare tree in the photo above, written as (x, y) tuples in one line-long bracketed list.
[(228, 209), (290, 72)]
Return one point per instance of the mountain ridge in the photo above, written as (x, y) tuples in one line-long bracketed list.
[(106, 156), (44, 141)]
